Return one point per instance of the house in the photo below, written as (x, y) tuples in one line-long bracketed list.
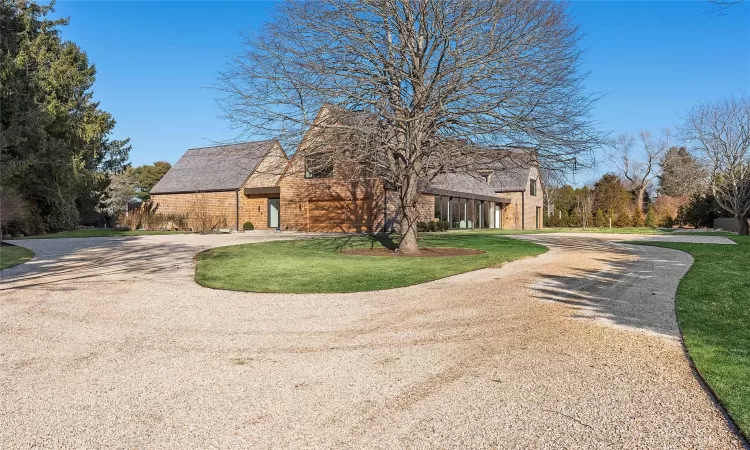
[(331, 196), (227, 185), (256, 182)]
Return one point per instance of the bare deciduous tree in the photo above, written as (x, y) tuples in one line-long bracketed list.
[(442, 84), (720, 131), (585, 205), (639, 172), (718, 6)]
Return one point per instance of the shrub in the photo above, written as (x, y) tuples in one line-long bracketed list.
[(247, 226), (623, 220), (432, 226), (699, 212), (441, 225), (651, 217), (203, 222), (638, 219), (13, 211), (599, 220), (176, 221)]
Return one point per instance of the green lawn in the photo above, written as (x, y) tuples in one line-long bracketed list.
[(318, 265), (713, 309), (99, 232), (13, 255), (628, 230)]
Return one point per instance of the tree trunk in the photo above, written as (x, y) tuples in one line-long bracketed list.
[(408, 197), (639, 200), (742, 227), (408, 244)]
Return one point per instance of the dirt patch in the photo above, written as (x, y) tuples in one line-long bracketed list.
[(423, 253)]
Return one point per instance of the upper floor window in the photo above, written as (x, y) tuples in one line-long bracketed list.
[(532, 187), (318, 166)]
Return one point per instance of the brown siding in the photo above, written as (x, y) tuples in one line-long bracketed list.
[(220, 205), (329, 204), (523, 204), (254, 209), (425, 210)]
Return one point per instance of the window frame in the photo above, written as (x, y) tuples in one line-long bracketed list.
[(532, 187), (321, 172)]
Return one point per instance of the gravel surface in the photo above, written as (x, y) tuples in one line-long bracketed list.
[(108, 342)]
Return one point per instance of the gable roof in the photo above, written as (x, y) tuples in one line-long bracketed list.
[(462, 183), (510, 180), (220, 168)]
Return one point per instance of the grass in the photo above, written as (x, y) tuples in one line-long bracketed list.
[(713, 309), (627, 230), (318, 265), (98, 232), (13, 255)]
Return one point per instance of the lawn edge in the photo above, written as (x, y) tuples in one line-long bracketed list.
[(496, 266), (718, 404), (33, 255)]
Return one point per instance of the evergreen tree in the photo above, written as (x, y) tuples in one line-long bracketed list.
[(599, 220), (55, 149)]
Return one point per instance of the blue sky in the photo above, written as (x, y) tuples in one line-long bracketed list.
[(157, 61)]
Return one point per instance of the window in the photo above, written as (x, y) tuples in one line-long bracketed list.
[(532, 188), (318, 166)]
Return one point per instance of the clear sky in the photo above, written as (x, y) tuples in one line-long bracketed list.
[(157, 61)]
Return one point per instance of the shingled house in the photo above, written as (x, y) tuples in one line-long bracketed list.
[(256, 182), (233, 184), (507, 194)]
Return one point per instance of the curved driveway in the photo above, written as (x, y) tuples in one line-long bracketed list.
[(108, 342)]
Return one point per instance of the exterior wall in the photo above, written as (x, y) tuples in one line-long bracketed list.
[(329, 204), (521, 213), (425, 210), (269, 170), (512, 212), (254, 209), (220, 206)]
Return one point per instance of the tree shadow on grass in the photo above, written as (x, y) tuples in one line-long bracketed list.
[(344, 242)]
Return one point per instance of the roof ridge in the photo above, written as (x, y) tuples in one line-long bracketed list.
[(236, 143)]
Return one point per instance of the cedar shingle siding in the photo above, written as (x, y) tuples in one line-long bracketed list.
[(212, 181)]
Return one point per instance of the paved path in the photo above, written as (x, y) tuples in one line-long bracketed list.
[(109, 343)]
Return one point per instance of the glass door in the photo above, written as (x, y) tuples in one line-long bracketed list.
[(273, 213)]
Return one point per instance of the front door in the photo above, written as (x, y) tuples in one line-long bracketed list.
[(273, 213)]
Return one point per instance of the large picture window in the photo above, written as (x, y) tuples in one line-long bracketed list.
[(318, 166)]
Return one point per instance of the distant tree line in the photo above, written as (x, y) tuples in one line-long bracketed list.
[(57, 157), (668, 185)]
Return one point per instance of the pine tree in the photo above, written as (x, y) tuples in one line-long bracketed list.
[(54, 150)]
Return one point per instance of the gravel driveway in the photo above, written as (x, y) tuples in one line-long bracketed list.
[(108, 342)]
